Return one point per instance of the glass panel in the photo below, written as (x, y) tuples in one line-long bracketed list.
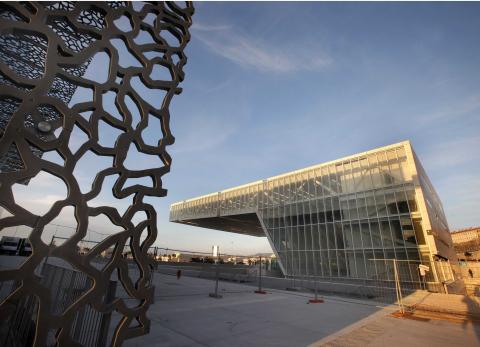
[(331, 236), (367, 241), (401, 253), (318, 263), (408, 232), (301, 237), (417, 225), (357, 240), (412, 204), (381, 157), (342, 263), (336, 209), (345, 210), (386, 234), (323, 236), (374, 171), (353, 208), (376, 235), (360, 262), (383, 271), (321, 213), (402, 201), (371, 206), (361, 205), (347, 231), (282, 240), (314, 216), (396, 173), (328, 209), (333, 263), (367, 179), (317, 181), (370, 264), (315, 237), (381, 203), (339, 235), (325, 263), (310, 264), (391, 203), (397, 232), (351, 267), (391, 155)]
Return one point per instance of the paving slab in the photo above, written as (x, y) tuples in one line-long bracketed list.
[(393, 332), (462, 305), (184, 316)]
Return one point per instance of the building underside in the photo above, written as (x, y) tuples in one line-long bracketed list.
[(245, 223)]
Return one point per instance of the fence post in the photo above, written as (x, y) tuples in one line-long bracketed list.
[(216, 295), (106, 317), (316, 300), (398, 288), (155, 261), (259, 290), (48, 254)]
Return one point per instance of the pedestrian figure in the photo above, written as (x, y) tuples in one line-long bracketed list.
[(179, 274), (470, 272)]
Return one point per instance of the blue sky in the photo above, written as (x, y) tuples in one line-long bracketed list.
[(274, 87)]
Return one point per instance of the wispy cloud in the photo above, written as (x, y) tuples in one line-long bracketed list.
[(460, 109), (204, 135), (259, 54), (452, 153), (463, 202), (205, 27)]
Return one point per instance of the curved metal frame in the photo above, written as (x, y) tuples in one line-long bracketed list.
[(34, 95)]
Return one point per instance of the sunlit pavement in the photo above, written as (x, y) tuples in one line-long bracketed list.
[(184, 315), (385, 330)]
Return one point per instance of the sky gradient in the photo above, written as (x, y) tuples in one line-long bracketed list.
[(274, 87)]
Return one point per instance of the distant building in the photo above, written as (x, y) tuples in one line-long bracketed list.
[(467, 243), (333, 220)]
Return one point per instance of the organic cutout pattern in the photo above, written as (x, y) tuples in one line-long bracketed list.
[(45, 50)]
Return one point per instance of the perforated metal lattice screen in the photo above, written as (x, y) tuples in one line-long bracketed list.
[(45, 96)]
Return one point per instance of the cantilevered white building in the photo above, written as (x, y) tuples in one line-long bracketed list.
[(334, 219)]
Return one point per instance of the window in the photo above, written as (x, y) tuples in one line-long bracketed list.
[(391, 203), (417, 225), (402, 202), (411, 200), (408, 232)]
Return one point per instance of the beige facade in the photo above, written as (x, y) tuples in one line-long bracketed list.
[(467, 243)]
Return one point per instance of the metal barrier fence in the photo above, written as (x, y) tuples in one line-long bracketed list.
[(389, 282), (385, 281), (66, 285), (211, 271)]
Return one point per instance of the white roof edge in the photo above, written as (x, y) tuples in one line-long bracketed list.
[(308, 168), (316, 166)]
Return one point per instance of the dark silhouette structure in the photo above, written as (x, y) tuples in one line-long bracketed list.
[(45, 49)]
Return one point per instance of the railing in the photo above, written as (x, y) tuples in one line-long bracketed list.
[(392, 282), (66, 285)]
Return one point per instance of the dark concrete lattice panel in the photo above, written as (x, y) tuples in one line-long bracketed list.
[(45, 49)]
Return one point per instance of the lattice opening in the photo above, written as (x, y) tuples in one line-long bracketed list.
[(33, 198)]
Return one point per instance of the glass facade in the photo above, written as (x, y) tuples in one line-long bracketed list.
[(331, 220)]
